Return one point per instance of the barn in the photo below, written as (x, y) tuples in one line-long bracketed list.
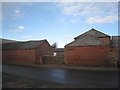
[(88, 49), (27, 52)]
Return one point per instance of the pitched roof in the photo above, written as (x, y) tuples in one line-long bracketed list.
[(21, 45), (6, 40), (93, 32), (88, 40), (115, 40)]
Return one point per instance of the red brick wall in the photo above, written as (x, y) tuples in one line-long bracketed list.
[(87, 56), (60, 53), (19, 56), (107, 40), (43, 49), (27, 56), (53, 59)]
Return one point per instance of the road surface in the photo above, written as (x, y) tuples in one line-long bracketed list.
[(89, 79)]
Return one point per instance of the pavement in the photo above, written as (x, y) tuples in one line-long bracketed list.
[(82, 77), (79, 67), (63, 66)]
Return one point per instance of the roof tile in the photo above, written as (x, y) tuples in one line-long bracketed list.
[(21, 45), (88, 40), (93, 32)]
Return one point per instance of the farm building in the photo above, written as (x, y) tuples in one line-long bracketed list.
[(89, 49), (28, 52), (59, 51)]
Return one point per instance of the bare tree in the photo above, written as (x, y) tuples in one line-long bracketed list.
[(54, 45)]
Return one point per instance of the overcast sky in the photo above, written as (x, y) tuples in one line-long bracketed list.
[(57, 21)]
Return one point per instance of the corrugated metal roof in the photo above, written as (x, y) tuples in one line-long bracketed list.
[(88, 40), (115, 40), (21, 45), (93, 32)]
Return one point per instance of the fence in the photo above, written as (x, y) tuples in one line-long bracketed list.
[(53, 59)]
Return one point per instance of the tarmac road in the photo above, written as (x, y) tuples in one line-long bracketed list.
[(85, 79)]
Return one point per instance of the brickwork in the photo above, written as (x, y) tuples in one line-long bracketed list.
[(27, 56), (53, 59), (114, 56), (87, 56), (43, 49), (19, 56)]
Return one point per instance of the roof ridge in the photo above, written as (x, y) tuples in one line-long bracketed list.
[(100, 32), (94, 37), (82, 38), (36, 40), (22, 45), (89, 31)]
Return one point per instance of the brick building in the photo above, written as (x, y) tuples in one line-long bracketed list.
[(115, 49), (59, 51), (29, 52), (89, 49)]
